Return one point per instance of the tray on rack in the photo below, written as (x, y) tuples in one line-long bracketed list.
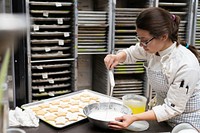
[(57, 4), (51, 73), (67, 109), (50, 79)]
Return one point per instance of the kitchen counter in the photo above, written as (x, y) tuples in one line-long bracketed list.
[(86, 127)]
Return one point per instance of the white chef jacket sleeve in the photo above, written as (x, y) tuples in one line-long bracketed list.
[(180, 90), (134, 53)]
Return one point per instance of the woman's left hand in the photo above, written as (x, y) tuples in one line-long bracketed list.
[(121, 122)]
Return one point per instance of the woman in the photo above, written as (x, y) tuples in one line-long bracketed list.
[(172, 69)]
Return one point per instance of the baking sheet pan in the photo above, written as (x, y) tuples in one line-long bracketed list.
[(51, 86), (128, 72), (49, 55), (48, 19), (91, 50), (94, 25), (50, 66), (91, 22), (50, 79), (75, 100), (50, 3), (50, 94), (172, 4), (91, 41), (51, 26), (49, 12), (92, 35), (87, 47), (49, 48), (51, 73), (49, 41), (46, 33), (127, 91), (128, 88)]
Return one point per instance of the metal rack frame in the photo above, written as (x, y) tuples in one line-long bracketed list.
[(194, 24), (72, 59)]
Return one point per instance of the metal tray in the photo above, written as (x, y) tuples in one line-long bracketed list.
[(50, 55), (50, 12), (52, 41), (51, 86), (94, 25), (130, 72), (127, 85), (92, 35), (92, 22), (51, 93), (47, 49), (72, 97), (50, 79), (92, 28), (50, 66), (50, 3), (87, 47), (51, 73), (51, 26), (91, 12), (128, 89), (172, 4), (46, 33), (91, 50), (48, 19), (91, 32), (91, 41)]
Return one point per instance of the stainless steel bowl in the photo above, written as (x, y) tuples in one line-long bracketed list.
[(104, 106)]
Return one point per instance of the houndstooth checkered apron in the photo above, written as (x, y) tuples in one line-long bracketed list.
[(158, 82)]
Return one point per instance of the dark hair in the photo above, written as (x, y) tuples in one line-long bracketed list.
[(159, 21)]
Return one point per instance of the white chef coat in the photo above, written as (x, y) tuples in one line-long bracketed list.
[(177, 64)]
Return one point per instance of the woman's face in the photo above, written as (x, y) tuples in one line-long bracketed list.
[(149, 42)]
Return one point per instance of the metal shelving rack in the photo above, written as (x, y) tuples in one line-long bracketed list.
[(94, 28), (183, 9), (94, 43), (51, 48), (129, 77)]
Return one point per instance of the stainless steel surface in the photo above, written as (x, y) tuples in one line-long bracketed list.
[(104, 106)]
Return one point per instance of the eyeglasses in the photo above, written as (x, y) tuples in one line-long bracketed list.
[(144, 43)]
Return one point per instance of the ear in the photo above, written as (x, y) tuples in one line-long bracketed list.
[(164, 37)]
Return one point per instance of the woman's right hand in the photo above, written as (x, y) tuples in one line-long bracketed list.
[(111, 61), (121, 122)]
